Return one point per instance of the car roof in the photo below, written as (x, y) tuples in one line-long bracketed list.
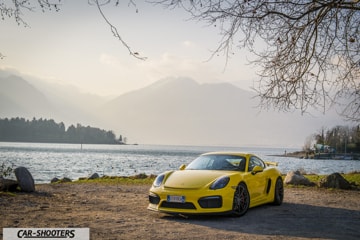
[(242, 154)]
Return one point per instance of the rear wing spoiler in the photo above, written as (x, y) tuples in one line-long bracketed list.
[(271, 163)]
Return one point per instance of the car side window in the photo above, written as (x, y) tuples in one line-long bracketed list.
[(242, 164), (255, 161)]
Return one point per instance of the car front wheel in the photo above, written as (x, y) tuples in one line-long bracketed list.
[(241, 201)]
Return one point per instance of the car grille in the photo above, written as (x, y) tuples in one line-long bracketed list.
[(211, 202), (153, 198), (186, 205)]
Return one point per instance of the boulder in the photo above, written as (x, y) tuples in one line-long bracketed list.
[(94, 176), (62, 180), (65, 180), (295, 178), (8, 185), (25, 179), (335, 180), (54, 180)]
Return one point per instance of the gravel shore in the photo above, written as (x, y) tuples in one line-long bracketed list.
[(119, 212)]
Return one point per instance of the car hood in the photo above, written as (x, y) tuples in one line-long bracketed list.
[(192, 179)]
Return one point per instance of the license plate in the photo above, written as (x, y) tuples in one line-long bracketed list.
[(178, 199)]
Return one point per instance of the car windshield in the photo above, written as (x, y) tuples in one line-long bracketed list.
[(218, 162)]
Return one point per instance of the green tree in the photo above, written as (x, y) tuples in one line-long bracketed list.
[(342, 138), (44, 130), (71, 133)]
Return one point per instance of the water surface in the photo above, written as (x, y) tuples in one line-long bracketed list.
[(46, 161)]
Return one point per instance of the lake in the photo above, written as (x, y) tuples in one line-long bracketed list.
[(46, 161)]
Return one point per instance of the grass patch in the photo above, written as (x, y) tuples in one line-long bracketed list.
[(9, 194), (143, 179), (353, 177), (140, 179)]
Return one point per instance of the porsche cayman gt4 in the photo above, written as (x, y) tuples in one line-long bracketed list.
[(217, 183)]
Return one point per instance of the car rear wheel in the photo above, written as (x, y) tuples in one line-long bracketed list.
[(241, 201), (279, 192)]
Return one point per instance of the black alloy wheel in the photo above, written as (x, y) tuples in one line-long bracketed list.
[(279, 192), (241, 201)]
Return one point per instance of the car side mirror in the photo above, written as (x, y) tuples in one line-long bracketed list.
[(256, 170), (182, 167)]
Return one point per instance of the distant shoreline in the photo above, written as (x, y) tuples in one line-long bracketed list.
[(116, 143), (324, 156)]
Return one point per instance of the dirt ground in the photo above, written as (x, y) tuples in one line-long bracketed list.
[(119, 212)]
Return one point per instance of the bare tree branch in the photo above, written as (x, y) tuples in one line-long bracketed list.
[(14, 10), (311, 58), (114, 29)]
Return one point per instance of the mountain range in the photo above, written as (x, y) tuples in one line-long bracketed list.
[(172, 111)]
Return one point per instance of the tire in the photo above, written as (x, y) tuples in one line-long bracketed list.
[(241, 200), (279, 192)]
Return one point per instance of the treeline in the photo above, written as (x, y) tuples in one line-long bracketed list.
[(48, 131), (341, 139)]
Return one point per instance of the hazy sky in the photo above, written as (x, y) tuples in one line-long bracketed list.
[(76, 46)]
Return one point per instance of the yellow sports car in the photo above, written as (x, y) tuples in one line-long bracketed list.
[(217, 183)]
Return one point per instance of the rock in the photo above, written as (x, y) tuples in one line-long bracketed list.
[(335, 180), (295, 178), (94, 176), (54, 180), (65, 179), (25, 180), (62, 180), (8, 185), (140, 176)]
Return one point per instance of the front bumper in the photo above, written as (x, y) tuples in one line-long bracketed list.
[(211, 201)]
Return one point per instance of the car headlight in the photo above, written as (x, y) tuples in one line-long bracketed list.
[(158, 180), (220, 183)]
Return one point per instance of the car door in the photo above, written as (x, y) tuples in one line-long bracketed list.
[(256, 181)]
